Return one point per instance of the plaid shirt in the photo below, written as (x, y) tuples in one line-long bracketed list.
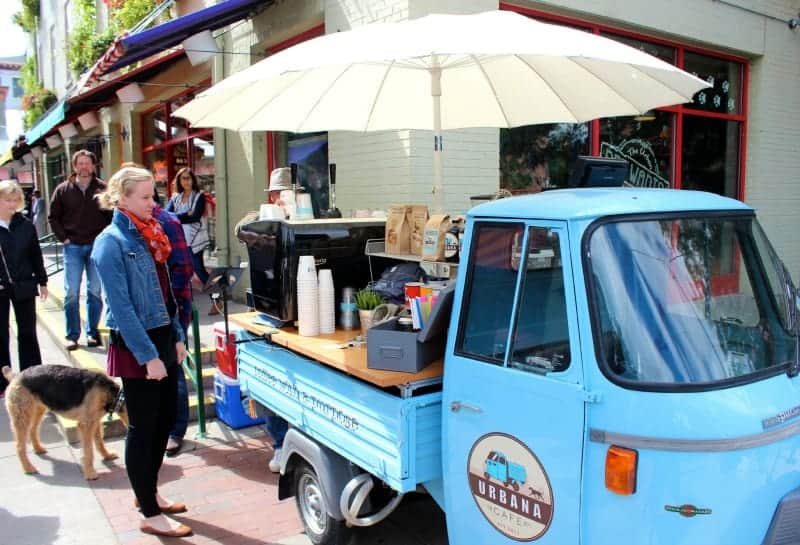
[(180, 264)]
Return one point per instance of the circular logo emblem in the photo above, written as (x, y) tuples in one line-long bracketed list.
[(510, 487)]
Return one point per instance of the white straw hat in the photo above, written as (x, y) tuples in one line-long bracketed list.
[(280, 179)]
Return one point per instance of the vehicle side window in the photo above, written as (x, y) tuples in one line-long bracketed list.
[(489, 293), (541, 336)]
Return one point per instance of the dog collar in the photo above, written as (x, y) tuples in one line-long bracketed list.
[(118, 402)]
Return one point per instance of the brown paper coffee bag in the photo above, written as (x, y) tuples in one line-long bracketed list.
[(433, 237), (398, 230), (418, 217)]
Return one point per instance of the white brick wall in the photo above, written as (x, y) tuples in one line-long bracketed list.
[(773, 141), (375, 170)]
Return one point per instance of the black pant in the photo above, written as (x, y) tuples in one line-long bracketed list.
[(27, 343), (151, 408)]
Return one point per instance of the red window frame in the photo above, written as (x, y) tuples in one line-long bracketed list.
[(169, 145), (680, 111)]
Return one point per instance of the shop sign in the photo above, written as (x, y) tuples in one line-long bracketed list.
[(510, 487), (642, 159)]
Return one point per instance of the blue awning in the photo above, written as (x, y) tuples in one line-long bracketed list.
[(154, 40), (54, 116)]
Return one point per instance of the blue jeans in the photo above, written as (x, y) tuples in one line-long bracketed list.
[(276, 428), (199, 267), (182, 415), (76, 260)]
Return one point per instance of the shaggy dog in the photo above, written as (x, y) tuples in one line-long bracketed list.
[(78, 394)]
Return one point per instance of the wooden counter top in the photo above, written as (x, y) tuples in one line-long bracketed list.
[(352, 361)]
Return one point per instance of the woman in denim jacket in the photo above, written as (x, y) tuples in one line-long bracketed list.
[(147, 341)]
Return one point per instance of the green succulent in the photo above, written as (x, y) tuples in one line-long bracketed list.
[(368, 299)]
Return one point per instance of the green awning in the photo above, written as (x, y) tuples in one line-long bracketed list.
[(47, 122)]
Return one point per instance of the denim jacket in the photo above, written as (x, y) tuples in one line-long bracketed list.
[(133, 296)]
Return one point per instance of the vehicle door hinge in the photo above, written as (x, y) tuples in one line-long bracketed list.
[(592, 397)]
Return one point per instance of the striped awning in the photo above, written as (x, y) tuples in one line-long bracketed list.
[(128, 49)]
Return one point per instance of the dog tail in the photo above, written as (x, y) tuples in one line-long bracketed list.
[(8, 373)]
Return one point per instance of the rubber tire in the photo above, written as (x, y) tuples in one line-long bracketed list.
[(320, 527)]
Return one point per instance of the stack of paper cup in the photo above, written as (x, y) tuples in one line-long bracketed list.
[(307, 299), (327, 302)]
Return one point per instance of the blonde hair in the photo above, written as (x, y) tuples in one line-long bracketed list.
[(121, 183), (10, 187)]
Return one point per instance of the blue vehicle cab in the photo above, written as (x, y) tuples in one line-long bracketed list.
[(637, 349)]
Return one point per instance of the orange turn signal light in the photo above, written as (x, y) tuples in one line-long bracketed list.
[(621, 470)]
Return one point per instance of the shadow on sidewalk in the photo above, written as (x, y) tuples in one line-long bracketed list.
[(29, 529)]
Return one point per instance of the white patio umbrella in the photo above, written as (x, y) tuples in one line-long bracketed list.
[(492, 69)]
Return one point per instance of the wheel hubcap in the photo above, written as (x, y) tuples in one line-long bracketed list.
[(313, 504)]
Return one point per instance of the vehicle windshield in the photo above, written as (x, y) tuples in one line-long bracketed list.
[(688, 301)]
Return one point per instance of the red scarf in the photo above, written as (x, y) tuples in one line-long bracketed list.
[(154, 235)]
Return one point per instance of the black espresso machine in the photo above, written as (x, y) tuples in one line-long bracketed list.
[(274, 246)]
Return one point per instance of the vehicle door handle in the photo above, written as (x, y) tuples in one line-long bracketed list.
[(456, 406)]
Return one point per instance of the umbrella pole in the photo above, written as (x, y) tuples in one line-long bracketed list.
[(436, 94)]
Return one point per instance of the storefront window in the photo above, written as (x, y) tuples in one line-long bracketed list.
[(179, 127), (154, 128), (703, 136), (538, 156), (170, 143), (203, 160), (310, 152), (645, 141), (663, 52), (711, 155), (726, 79)]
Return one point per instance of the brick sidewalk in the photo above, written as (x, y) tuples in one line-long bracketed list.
[(232, 497)]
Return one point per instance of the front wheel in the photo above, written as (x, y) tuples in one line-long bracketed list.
[(321, 528)]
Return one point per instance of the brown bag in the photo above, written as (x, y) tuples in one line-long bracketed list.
[(398, 230), (417, 218), (433, 237)]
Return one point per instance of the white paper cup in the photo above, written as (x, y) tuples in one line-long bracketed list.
[(304, 209), (271, 212)]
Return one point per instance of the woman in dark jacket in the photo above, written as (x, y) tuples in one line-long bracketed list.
[(22, 278)]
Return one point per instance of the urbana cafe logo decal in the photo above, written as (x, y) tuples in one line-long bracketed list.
[(510, 486)]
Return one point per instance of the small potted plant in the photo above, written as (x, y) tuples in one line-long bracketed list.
[(367, 300)]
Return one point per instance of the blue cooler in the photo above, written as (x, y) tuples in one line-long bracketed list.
[(228, 400)]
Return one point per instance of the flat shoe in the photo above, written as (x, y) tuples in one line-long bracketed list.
[(173, 451), (180, 531), (71, 345), (174, 508), (93, 341)]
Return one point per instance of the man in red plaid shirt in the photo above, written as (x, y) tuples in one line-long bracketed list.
[(180, 273)]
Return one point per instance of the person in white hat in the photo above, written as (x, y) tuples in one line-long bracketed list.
[(280, 179)]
